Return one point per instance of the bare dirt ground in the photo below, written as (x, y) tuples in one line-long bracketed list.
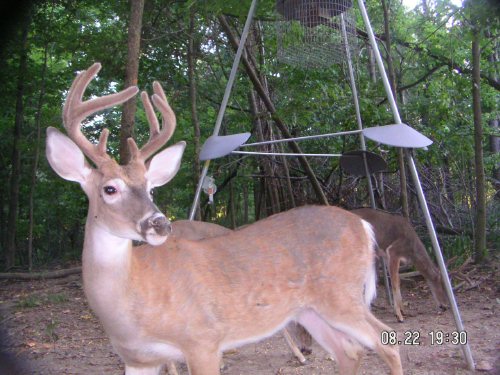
[(51, 330)]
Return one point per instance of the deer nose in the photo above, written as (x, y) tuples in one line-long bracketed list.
[(159, 223)]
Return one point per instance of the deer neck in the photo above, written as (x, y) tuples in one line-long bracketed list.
[(104, 250), (105, 268)]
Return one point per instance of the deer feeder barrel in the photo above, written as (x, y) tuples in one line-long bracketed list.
[(299, 9), (309, 32)]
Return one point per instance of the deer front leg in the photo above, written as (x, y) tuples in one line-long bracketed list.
[(394, 262), (293, 346), (172, 369), (203, 362)]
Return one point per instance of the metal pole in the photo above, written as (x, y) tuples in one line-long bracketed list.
[(303, 138), (285, 154), (225, 100), (421, 197), (356, 108), (440, 260), (355, 98)]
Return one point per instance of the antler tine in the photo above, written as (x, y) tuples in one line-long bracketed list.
[(157, 137), (75, 111)]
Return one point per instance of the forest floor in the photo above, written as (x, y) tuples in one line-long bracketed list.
[(51, 330)]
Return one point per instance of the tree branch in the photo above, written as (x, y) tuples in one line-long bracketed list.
[(441, 59), (40, 275), (421, 79)]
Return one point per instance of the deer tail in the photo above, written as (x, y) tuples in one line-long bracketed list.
[(371, 275)]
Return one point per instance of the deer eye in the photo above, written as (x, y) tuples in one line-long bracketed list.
[(110, 190)]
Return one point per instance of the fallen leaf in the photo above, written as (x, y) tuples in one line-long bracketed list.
[(484, 366)]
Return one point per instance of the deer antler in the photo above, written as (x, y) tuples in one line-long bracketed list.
[(157, 137), (75, 111)]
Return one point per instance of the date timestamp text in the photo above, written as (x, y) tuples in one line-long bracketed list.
[(414, 337)]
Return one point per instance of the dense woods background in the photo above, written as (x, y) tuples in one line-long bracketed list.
[(443, 62)]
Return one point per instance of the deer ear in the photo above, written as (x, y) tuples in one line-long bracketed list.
[(164, 165), (65, 157)]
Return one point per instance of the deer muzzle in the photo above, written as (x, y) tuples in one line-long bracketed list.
[(156, 228)]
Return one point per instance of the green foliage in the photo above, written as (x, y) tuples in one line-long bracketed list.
[(50, 330), (459, 248), (74, 34), (29, 302), (57, 299), (35, 300)]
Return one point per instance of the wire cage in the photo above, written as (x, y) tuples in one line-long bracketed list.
[(315, 33)]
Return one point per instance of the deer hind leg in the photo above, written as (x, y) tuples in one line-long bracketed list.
[(346, 351), (131, 370), (358, 325), (203, 362), (394, 263), (390, 353)]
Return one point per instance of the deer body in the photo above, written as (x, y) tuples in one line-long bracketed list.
[(237, 292), (185, 298), (398, 240), (175, 298), (197, 230)]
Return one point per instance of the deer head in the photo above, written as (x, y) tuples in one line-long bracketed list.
[(120, 199)]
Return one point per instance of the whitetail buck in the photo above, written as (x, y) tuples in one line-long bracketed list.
[(191, 300), (399, 242)]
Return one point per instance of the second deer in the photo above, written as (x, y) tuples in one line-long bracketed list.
[(398, 241)]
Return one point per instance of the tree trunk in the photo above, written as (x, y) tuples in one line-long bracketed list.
[(388, 46), (403, 184), (425, 8), (265, 163), (480, 220), (392, 82), (15, 176), (495, 149), (495, 122), (131, 76), (191, 57), (3, 223), (259, 197), (265, 129), (381, 189), (245, 204), (36, 158), (232, 206), (372, 64), (288, 181), (41, 275)]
